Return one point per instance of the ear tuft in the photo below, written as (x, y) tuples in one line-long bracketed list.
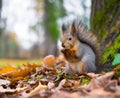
[(63, 28), (73, 29)]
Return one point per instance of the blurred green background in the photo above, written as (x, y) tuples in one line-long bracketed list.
[(30, 29)]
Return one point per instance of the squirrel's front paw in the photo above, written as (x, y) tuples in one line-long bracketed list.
[(62, 50), (65, 51)]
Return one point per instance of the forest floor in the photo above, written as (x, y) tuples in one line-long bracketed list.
[(49, 80)]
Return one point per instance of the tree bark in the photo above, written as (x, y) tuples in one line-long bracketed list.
[(105, 23), (104, 15)]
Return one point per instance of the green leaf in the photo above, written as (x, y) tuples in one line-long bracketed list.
[(85, 80), (116, 60)]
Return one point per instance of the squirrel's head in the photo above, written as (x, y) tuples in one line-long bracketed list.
[(69, 37)]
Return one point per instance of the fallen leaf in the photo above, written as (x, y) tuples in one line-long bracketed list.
[(4, 82), (51, 85), (7, 69), (111, 86), (7, 90), (38, 88), (116, 59), (99, 81)]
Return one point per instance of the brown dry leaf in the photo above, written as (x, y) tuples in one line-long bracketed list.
[(111, 86), (105, 78), (7, 90), (65, 94), (100, 93), (30, 67), (17, 73), (60, 86), (92, 75), (51, 85), (4, 82), (60, 94), (99, 81), (72, 84), (24, 71), (117, 68), (13, 80), (96, 93), (38, 88)]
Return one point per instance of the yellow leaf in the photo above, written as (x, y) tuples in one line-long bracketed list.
[(7, 69)]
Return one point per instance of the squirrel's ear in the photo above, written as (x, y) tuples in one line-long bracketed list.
[(63, 28), (73, 30)]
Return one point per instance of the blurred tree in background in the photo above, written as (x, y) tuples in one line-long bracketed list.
[(11, 45), (0, 7), (2, 22), (0, 27), (8, 40), (53, 10)]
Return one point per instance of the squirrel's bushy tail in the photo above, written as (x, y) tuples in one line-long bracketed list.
[(88, 37)]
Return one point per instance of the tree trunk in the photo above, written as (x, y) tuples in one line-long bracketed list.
[(105, 23), (104, 16)]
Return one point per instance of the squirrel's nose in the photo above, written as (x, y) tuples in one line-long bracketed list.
[(63, 45)]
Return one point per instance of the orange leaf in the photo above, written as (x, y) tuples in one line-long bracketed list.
[(7, 69), (49, 61)]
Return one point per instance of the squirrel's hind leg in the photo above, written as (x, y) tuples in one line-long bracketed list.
[(75, 68)]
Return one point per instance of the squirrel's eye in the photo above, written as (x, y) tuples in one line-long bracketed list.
[(70, 38)]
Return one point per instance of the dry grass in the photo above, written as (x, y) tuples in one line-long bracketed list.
[(17, 63)]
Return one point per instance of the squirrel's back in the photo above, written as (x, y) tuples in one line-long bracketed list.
[(88, 37)]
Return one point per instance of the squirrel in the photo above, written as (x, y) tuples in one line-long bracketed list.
[(80, 47)]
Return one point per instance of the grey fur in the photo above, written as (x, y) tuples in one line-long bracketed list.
[(86, 55)]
